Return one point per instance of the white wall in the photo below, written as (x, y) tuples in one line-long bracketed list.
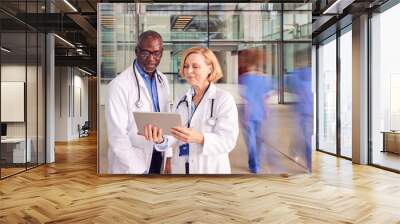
[(61, 103), (33, 106), (12, 73), (389, 66), (71, 102), (79, 117)]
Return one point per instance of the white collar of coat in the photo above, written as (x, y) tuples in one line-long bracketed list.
[(210, 94)]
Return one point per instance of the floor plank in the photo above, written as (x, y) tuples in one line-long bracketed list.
[(70, 191)]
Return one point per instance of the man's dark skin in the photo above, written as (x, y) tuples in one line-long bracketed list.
[(154, 46)]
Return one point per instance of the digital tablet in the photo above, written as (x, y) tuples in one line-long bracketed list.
[(165, 121)]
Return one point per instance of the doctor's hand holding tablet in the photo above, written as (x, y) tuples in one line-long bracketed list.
[(187, 135), (151, 126)]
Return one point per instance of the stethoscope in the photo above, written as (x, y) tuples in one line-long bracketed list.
[(139, 102), (211, 121)]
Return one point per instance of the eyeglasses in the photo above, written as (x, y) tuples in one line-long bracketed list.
[(146, 53)]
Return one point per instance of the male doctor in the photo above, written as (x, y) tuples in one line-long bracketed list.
[(141, 87)]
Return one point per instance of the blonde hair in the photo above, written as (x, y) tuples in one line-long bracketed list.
[(210, 58)]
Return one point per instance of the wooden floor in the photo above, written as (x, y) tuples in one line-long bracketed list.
[(70, 191)]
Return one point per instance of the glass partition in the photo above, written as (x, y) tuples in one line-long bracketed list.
[(14, 68), (327, 96), (22, 64), (41, 97), (346, 93), (385, 89), (232, 25), (297, 25), (31, 98)]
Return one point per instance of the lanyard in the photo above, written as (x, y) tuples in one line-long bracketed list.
[(194, 108), (184, 149)]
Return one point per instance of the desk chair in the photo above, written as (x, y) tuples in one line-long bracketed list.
[(84, 130)]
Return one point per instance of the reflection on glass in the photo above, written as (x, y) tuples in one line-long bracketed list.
[(346, 94), (41, 98), (176, 26), (297, 25), (297, 6), (175, 7), (14, 153), (22, 89), (235, 25), (32, 101), (244, 6), (118, 34), (385, 85), (327, 97)]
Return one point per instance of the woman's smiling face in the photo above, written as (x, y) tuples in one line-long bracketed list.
[(196, 70)]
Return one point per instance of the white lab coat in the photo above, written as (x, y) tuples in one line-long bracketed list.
[(130, 153), (213, 156)]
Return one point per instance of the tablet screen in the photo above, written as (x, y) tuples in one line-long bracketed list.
[(165, 121)]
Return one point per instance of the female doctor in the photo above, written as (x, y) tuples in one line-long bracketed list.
[(209, 119)]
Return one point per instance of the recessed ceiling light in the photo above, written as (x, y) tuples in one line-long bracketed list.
[(70, 5), (64, 40), (84, 71), (5, 50)]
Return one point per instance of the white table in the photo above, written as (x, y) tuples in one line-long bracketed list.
[(17, 147)]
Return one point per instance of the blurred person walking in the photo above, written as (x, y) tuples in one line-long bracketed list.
[(255, 88), (304, 107)]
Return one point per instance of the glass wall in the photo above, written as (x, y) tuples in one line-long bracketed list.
[(327, 96), (31, 98), (385, 89), (297, 25), (283, 30), (22, 79), (346, 92), (335, 73)]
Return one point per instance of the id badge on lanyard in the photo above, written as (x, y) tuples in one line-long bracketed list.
[(184, 150)]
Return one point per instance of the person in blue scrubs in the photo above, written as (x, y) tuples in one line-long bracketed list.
[(256, 86), (301, 85)]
